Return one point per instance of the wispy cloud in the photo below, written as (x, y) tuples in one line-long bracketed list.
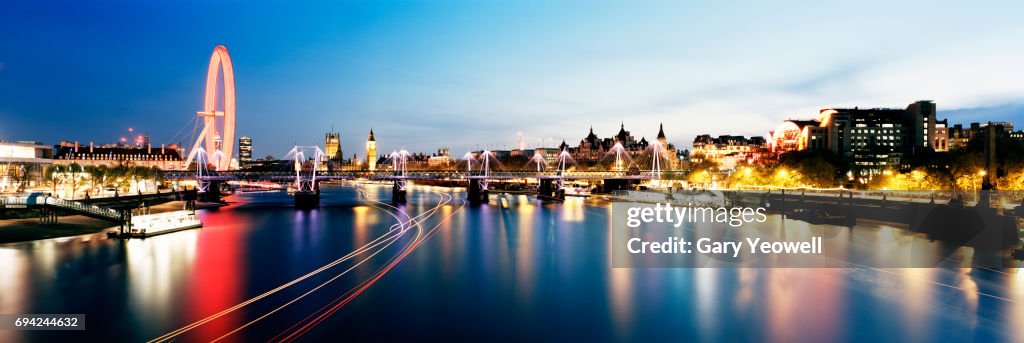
[(470, 74), (1005, 112)]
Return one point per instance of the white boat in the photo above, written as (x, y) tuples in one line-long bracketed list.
[(161, 223)]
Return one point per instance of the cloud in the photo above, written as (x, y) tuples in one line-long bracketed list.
[(1004, 112)]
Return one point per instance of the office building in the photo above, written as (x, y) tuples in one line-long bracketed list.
[(245, 149)]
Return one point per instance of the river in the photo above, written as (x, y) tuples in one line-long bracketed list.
[(514, 269)]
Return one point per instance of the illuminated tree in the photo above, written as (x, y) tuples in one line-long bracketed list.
[(704, 163), (1013, 180), (917, 180), (74, 172), (54, 176), (965, 171), (700, 177), (97, 174), (813, 168)]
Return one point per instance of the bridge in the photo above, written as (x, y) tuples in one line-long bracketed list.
[(308, 171), (551, 183), (49, 206), (277, 176)]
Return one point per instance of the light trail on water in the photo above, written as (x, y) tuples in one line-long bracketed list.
[(351, 295), (415, 223), (385, 239)]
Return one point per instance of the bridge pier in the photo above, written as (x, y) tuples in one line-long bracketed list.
[(47, 216), (308, 199), (398, 192), (477, 192), (212, 193), (610, 185), (551, 189)]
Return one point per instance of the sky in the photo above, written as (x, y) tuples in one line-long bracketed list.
[(474, 74)]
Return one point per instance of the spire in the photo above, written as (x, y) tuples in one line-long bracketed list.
[(370, 138), (591, 137), (661, 131)]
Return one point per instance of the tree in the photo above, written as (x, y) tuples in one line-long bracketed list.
[(967, 163), (700, 176), (97, 174), (917, 180), (1014, 179), (18, 177), (54, 176), (703, 163), (14, 176), (816, 168), (139, 175), (74, 172), (117, 175), (157, 175), (964, 170)]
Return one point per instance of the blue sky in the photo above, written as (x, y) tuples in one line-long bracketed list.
[(468, 74)]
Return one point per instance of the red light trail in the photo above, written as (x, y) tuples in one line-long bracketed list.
[(378, 245)]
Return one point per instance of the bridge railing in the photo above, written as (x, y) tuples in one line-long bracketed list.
[(907, 196), (21, 201), (74, 205), (412, 174), (63, 204)]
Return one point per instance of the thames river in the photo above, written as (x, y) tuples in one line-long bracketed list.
[(439, 269)]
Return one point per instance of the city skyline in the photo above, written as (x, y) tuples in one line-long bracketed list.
[(483, 74), (508, 171)]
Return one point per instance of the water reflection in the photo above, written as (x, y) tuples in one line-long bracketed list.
[(151, 267), (621, 287), (507, 270), (1016, 286)]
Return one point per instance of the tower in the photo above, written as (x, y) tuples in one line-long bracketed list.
[(371, 152), (661, 136), (332, 146)]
